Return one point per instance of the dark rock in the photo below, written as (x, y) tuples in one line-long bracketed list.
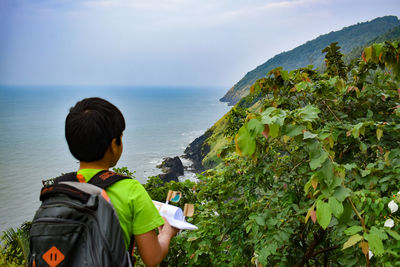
[(168, 177), (172, 165), (197, 150), (172, 168)]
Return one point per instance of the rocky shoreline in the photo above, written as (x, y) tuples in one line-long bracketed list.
[(172, 167)]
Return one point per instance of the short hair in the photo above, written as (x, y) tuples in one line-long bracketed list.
[(90, 127)]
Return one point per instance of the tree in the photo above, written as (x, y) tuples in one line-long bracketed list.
[(333, 60)]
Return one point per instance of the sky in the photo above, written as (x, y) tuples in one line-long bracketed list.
[(161, 42)]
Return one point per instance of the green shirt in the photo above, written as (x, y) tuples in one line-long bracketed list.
[(136, 211)]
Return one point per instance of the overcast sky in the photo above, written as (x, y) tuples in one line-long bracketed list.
[(161, 42)]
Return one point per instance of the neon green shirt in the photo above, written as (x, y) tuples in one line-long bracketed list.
[(136, 211)]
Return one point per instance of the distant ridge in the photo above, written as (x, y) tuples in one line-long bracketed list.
[(349, 38)]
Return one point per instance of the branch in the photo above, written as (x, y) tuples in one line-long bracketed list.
[(367, 259), (325, 250), (363, 225), (297, 165), (310, 251), (323, 101), (358, 214)]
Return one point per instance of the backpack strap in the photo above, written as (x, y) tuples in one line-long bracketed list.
[(131, 250), (104, 179), (67, 177)]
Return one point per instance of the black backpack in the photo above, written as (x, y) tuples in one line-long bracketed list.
[(76, 225)]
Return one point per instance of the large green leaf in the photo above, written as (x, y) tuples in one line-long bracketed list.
[(336, 207), (394, 234), (293, 130), (317, 154), (375, 243), (309, 135), (347, 213), (367, 54), (245, 143), (273, 116), (327, 172), (308, 113), (273, 130), (267, 113), (357, 129), (301, 86), (376, 51), (354, 239), (379, 232), (341, 193), (265, 252), (255, 127), (324, 214), (353, 230)]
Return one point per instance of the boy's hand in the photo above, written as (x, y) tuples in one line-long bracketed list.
[(167, 229), (152, 247)]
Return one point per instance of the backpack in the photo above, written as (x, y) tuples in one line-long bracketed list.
[(76, 224)]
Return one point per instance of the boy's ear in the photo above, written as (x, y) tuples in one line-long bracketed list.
[(114, 146)]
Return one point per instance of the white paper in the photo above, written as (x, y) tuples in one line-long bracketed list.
[(174, 215)]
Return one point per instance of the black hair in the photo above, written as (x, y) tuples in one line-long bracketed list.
[(90, 127)]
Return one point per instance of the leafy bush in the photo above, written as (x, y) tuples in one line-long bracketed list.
[(14, 247), (313, 176)]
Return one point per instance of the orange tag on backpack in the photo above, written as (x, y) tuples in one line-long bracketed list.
[(53, 257)]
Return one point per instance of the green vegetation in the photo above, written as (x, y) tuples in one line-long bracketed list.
[(319, 166), (14, 246), (349, 38)]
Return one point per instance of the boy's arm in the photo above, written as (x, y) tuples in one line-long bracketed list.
[(152, 247)]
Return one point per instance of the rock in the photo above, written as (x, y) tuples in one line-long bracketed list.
[(172, 168), (172, 165), (168, 177), (197, 150)]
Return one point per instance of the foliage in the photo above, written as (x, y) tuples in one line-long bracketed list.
[(334, 63), (124, 171), (313, 176), (339, 141), (235, 117), (6, 261), (14, 249), (158, 190)]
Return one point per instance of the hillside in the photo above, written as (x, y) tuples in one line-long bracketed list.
[(348, 38), (391, 35), (204, 150)]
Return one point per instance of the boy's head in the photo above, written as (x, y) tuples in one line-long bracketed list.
[(90, 127)]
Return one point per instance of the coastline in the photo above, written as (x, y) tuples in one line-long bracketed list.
[(191, 160)]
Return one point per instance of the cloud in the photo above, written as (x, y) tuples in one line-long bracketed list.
[(164, 14), (140, 4), (273, 7)]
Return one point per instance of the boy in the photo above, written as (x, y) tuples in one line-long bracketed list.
[(93, 129)]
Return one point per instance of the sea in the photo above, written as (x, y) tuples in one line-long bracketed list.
[(160, 123)]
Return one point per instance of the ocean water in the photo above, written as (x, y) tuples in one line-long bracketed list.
[(160, 122)]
